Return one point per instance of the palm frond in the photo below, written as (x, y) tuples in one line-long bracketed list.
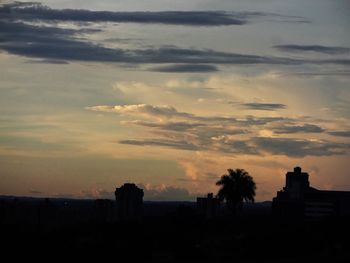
[(235, 187)]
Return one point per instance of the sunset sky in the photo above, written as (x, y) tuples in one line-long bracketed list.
[(169, 94)]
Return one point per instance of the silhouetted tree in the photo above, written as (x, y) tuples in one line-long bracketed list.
[(236, 186)]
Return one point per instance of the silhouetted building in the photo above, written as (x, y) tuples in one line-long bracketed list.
[(299, 200), (129, 202), (208, 206)]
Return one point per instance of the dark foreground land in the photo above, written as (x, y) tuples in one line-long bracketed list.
[(168, 233)]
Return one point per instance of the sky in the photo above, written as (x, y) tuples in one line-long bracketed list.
[(169, 94)]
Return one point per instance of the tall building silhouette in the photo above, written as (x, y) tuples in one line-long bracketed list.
[(129, 202), (297, 182), (298, 200)]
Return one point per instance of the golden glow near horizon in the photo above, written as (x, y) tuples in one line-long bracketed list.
[(170, 104)]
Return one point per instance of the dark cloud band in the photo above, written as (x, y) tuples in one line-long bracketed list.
[(50, 43), (313, 48), (340, 133), (299, 147), (306, 128), (198, 68), (264, 106), (181, 145), (56, 43), (53, 44), (36, 11)]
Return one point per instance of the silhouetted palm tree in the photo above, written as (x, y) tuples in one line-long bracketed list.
[(236, 186)]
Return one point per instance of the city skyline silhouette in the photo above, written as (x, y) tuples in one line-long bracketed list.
[(168, 95)]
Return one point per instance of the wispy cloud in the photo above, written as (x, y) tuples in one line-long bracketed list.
[(187, 68), (264, 106), (344, 73), (182, 145), (305, 128), (168, 112), (197, 130), (163, 111), (47, 61), (186, 131), (171, 126), (36, 11), (294, 147), (313, 48), (51, 43), (340, 133), (25, 31)]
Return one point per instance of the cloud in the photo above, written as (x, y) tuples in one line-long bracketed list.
[(22, 33), (186, 131), (264, 106), (252, 120), (344, 73), (146, 110), (54, 43), (143, 109), (171, 126), (340, 133), (180, 145), (306, 128), (193, 136), (299, 147), (47, 61), (200, 130), (314, 48), (36, 11), (216, 131), (187, 68), (197, 141), (50, 43), (169, 112), (237, 147), (341, 62), (96, 193), (292, 147), (166, 193)]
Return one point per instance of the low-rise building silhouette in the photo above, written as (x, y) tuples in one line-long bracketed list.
[(129, 202), (208, 206), (299, 200)]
